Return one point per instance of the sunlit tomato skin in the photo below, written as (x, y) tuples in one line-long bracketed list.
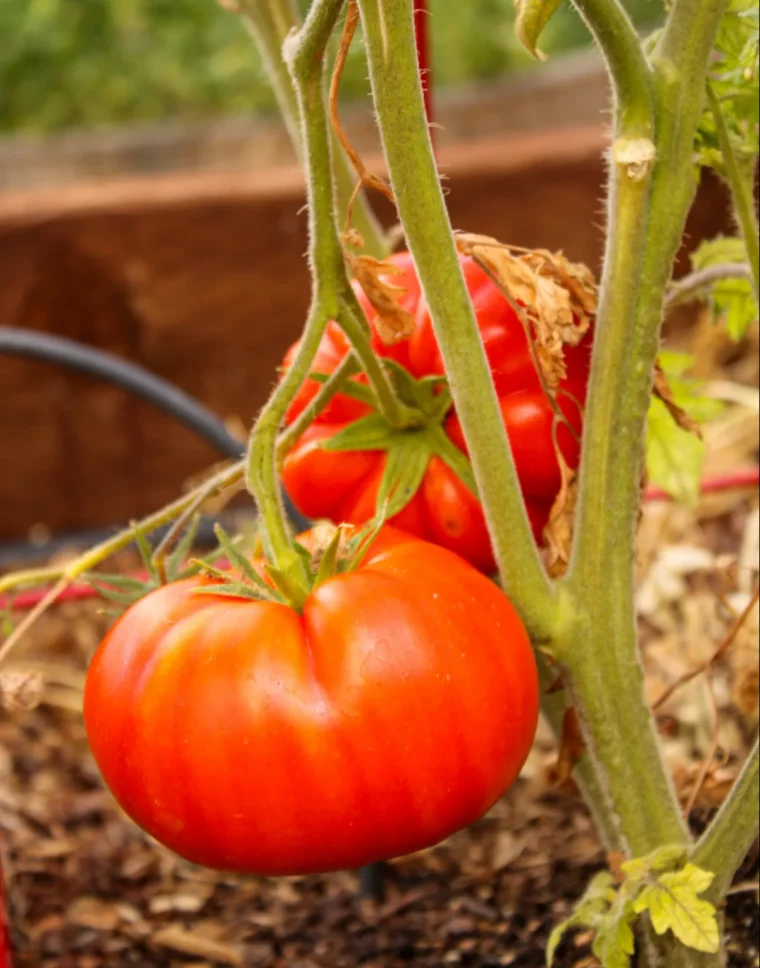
[(396, 709), (343, 486)]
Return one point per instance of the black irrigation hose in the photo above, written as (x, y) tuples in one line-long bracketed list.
[(171, 400), (138, 381)]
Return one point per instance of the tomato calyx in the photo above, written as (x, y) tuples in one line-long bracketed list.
[(409, 451)]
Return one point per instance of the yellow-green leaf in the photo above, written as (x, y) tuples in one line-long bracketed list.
[(674, 456), (615, 943), (532, 17), (674, 905)]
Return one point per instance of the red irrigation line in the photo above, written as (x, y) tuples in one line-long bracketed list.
[(736, 480), (733, 481), (421, 27)]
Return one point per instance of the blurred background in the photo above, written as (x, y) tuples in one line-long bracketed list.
[(151, 206), (92, 63)]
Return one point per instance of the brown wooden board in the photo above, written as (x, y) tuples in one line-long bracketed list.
[(202, 279)]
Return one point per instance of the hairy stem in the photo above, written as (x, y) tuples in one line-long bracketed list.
[(697, 284), (289, 437), (742, 190), (390, 40), (354, 325), (600, 653), (270, 22), (304, 54), (725, 843)]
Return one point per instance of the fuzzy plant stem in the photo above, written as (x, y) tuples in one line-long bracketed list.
[(742, 190), (270, 22), (390, 42), (599, 648), (725, 843), (304, 57)]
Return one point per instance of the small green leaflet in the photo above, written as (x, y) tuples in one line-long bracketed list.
[(673, 904), (589, 912), (669, 896), (615, 943), (735, 79), (732, 300), (675, 456), (532, 17)]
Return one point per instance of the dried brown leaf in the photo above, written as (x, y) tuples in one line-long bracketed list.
[(393, 322), (571, 746), (663, 392), (557, 298), (90, 912), (558, 533), (21, 691), (186, 942)]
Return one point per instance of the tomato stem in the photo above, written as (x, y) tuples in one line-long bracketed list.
[(270, 22), (742, 189), (354, 325), (391, 47)]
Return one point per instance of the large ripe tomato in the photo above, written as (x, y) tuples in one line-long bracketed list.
[(396, 709), (343, 486)]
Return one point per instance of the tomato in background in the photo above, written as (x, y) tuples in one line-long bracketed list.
[(343, 485)]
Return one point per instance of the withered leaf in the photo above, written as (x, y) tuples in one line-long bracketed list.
[(663, 392), (393, 322), (557, 298), (21, 691), (571, 747), (558, 533)]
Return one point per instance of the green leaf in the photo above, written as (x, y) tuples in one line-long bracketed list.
[(673, 904), (405, 468), (733, 300), (370, 433), (674, 456), (590, 911), (532, 17), (664, 858), (615, 943), (685, 391), (177, 558)]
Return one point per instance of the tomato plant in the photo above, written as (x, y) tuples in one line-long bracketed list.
[(245, 736), (343, 484)]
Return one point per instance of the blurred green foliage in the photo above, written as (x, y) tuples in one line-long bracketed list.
[(87, 63)]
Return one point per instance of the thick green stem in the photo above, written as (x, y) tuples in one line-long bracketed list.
[(742, 190), (288, 438), (305, 61), (599, 653), (725, 843), (586, 771), (270, 22), (389, 37), (354, 325)]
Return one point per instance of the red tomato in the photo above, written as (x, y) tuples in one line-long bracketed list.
[(395, 710), (343, 485)]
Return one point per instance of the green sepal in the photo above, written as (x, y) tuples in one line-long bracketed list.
[(369, 433), (235, 590), (329, 565), (238, 560), (408, 459), (350, 388)]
